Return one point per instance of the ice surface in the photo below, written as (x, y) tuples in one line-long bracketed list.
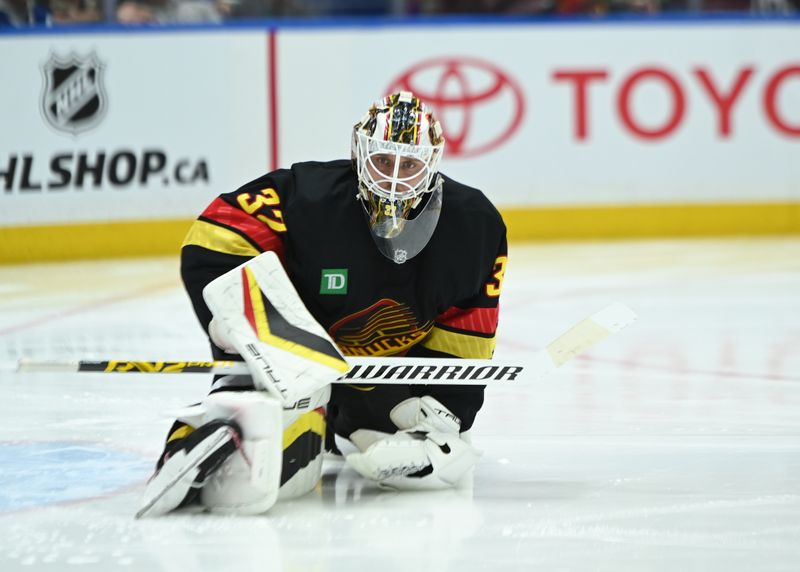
[(674, 445)]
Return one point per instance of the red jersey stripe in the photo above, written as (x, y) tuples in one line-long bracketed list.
[(228, 215), (483, 320)]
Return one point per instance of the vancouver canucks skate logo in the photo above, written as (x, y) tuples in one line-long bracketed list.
[(73, 98), (386, 327)]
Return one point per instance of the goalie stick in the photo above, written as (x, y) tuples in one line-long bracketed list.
[(406, 371)]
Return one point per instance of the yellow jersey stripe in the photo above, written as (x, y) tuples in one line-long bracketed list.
[(219, 239), (459, 345)]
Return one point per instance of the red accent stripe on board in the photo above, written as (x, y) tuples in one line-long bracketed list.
[(248, 303), (272, 75), (483, 320), (222, 212)]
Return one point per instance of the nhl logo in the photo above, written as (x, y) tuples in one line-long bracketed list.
[(74, 98), (400, 255)]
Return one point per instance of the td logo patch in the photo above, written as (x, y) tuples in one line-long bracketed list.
[(334, 281)]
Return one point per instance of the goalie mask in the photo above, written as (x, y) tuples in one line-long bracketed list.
[(396, 150)]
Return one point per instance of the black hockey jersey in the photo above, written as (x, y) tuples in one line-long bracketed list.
[(442, 302)]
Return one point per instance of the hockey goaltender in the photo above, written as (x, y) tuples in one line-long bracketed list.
[(379, 255)]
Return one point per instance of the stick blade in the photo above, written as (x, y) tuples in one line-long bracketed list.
[(615, 317), (25, 365), (590, 332)]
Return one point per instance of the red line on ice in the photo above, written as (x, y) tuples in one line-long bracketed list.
[(87, 307)]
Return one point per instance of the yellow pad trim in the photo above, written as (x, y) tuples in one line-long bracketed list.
[(219, 239), (180, 433), (576, 341), (312, 421), (459, 345), (259, 312)]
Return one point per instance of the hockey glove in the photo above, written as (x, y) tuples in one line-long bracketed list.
[(426, 453)]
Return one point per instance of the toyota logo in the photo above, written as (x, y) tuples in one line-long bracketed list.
[(478, 104)]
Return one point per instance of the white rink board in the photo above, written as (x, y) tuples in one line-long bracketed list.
[(545, 162), (192, 99), (200, 100)]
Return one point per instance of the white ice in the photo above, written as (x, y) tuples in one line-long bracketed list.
[(672, 446)]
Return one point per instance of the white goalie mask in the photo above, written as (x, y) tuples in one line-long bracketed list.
[(396, 150)]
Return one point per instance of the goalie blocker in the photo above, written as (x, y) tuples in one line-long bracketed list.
[(259, 315)]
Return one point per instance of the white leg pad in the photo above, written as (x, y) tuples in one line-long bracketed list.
[(305, 479), (249, 480)]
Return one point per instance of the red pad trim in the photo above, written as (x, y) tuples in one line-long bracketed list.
[(483, 320), (225, 214), (248, 303)]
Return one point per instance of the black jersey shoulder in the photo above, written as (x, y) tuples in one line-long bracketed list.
[(322, 198), (469, 213), (309, 188), (318, 181), (464, 247), (471, 200)]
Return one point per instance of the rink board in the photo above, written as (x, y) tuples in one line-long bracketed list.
[(693, 133), (142, 238)]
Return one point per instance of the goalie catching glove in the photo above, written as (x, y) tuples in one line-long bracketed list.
[(259, 315), (426, 453)]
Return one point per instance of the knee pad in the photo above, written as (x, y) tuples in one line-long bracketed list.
[(304, 427), (249, 480)]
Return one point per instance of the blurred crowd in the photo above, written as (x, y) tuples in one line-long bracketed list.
[(21, 13)]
